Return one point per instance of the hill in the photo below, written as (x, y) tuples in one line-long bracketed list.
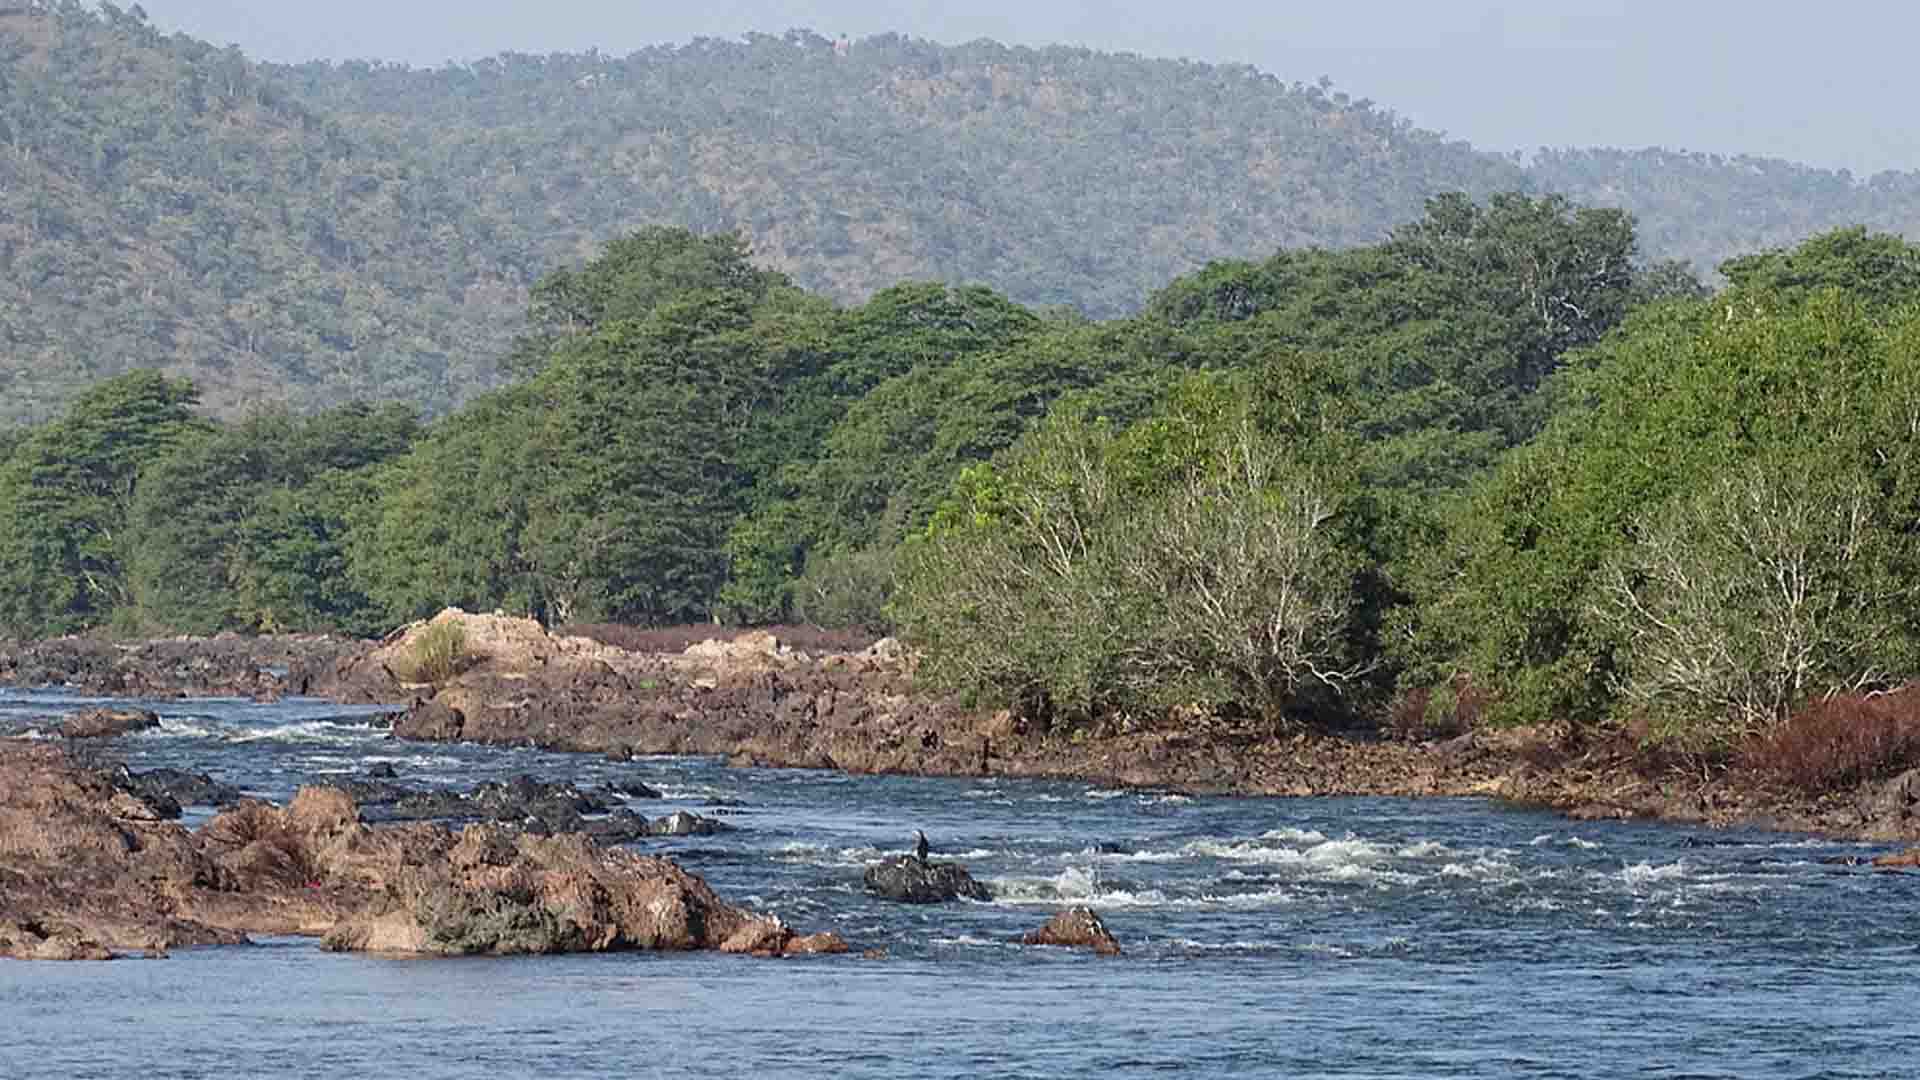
[(306, 234)]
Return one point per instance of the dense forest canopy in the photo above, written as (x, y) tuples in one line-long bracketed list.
[(310, 234)]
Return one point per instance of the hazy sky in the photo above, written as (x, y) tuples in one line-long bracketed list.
[(1829, 84)]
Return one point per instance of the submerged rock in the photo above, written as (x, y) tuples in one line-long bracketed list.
[(107, 723), (1077, 928), (910, 880)]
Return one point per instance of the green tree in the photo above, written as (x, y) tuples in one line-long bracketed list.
[(65, 495), (1679, 402)]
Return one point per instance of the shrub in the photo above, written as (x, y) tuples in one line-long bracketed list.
[(1841, 741), (1440, 712), (1194, 560), (846, 590), (437, 653), (1775, 585)]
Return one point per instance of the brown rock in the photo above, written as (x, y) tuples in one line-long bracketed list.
[(822, 944), (1905, 860), (1076, 927), (86, 871), (107, 723)]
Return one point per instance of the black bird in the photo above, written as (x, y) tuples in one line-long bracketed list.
[(920, 846)]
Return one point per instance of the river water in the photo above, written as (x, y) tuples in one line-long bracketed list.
[(1361, 937)]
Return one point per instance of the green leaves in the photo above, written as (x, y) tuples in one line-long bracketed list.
[(1192, 559), (65, 497), (1560, 567)]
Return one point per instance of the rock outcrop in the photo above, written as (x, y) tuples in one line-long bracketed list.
[(1075, 928), (910, 880), (88, 869), (107, 723)]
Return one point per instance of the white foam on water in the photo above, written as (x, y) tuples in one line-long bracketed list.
[(1254, 947), (183, 728), (1049, 798), (1105, 793), (1290, 835), (312, 731), (968, 941), (1582, 843), (1072, 885), (1174, 798), (670, 793), (1637, 875), (1424, 849)]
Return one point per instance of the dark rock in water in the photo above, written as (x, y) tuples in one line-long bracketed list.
[(911, 881), (1077, 928), (106, 723), (165, 788), (633, 789), (382, 770), (683, 823)]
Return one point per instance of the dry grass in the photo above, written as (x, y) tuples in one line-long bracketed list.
[(435, 654)]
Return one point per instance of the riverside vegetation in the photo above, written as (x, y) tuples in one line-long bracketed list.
[(1491, 471), (318, 233)]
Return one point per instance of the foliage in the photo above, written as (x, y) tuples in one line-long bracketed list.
[(604, 487), (1190, 559), (1648, 423), (242, 529), (65, 496), (1779, 583)]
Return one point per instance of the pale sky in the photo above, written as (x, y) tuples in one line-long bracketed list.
[(1826, 84)]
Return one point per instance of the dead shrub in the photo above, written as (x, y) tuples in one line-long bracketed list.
[(1840, 741), (1442, 712)]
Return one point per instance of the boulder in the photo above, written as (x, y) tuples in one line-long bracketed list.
[(685, 823), (88, 869), (1075, 928), (497, 892), (107, 723), (167, 790), (910, 880)]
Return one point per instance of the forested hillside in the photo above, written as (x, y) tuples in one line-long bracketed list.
[(307, 234)]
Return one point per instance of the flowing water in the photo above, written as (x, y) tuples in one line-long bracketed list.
[(1360, 937)]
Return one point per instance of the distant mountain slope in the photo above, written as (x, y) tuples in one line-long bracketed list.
[(309, 233), (1059, 176), (163, 204)]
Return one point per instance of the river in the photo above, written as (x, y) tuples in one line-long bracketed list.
[(1285, 937)]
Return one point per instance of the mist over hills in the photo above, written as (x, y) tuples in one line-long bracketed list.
[(305, 234)]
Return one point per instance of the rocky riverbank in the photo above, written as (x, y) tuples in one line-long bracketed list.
[(756, 699), (90, 868)]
